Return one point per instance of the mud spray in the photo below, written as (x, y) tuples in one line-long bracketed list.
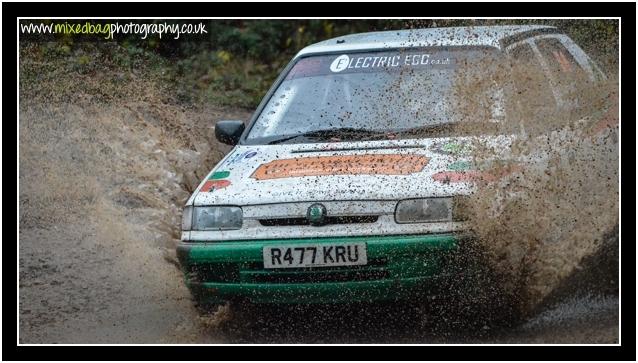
[(104, 172), (546, 202)]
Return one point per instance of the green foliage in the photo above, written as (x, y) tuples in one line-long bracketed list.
[(100, 72), (237, 60)]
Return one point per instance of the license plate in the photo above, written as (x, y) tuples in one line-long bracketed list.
[(315, 255)]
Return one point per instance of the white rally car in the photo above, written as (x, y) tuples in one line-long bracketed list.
[(344, 185)]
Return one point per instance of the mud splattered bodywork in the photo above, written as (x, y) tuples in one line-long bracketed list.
[(359, 190), (370, 144)]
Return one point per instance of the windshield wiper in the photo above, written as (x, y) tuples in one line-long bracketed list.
[(356, 134), (327, 134)]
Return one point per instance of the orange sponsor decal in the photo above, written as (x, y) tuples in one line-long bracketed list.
[(211, 185), (384, 164)]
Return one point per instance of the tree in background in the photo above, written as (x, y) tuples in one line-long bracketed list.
[(235, 63)]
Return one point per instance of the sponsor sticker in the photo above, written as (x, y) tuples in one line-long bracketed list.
[(219, 175), (212, 185), (451, 148), (371, 164), (249, 154), (340, 63), (372, 62), (447, 177), (460, 166), (239, 157)]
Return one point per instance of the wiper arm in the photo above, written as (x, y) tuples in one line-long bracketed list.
[(284, 139), (329, 133)]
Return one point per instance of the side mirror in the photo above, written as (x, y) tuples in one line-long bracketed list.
[(229, 132)]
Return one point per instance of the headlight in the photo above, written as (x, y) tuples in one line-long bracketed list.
[(187, 218), (424, 210), (212, 218)]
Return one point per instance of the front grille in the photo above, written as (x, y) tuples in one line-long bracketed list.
[(376, 269), (254, 272), (273, 222)]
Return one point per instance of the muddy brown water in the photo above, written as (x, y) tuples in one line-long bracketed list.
[(101, 190)]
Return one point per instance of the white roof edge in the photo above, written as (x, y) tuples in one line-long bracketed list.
[(407, 38)]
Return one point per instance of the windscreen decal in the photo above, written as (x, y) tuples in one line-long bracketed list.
[(371, 63), (345, 62), (377, 164)]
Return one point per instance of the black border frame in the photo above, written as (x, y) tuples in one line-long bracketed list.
[(626, 351)]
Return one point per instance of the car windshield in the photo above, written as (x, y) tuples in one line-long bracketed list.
[(426, 92)]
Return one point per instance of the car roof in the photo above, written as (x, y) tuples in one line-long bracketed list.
[(492, 36)]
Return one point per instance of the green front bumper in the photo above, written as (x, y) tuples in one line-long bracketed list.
[(399, 267)]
